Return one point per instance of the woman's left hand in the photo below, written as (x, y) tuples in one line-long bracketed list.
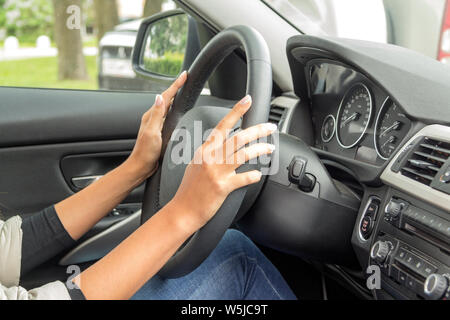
[(145, 155)]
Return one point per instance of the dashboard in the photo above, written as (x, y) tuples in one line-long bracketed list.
[(352, 116), (377, 118)]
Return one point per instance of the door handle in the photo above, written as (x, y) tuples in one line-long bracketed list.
[(83, 182)]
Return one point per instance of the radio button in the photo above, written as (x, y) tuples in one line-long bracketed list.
[(410, 260), (414, 285), (402, 277), (428, 269), (401, 254)]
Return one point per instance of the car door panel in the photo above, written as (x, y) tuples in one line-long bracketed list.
[(49, 137), (45, 116), (31, 177)]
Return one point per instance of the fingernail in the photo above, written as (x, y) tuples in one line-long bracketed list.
[(159, 100), (246, 100), (256, 175), (271, 147), (182, 74), (272, 127)]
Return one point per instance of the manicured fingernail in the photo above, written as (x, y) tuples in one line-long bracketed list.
[(256, 175), (271, 147), (159, 100), (271, 127), (182, 75), (246, 100)]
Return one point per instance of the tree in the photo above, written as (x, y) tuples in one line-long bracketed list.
[(106, 16), (26, 20), (71, 62), (169, 35), (152, 7)]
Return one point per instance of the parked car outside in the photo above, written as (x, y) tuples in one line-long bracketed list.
[(115, 50)]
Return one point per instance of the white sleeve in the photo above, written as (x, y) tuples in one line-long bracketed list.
[(52, 291), (11, 237), (10, 251)]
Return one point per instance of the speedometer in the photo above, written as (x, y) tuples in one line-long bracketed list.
[(354, 114), (390, 129)]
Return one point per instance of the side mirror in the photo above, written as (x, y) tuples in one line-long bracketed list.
[(161, 44)]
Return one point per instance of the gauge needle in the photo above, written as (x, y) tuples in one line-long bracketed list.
[(349, 119), (393, 127), (391, 139)]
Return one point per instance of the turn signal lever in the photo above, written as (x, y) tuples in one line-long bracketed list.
[(298, 175)]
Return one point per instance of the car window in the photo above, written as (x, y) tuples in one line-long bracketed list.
[(420, 25), (78, 44)]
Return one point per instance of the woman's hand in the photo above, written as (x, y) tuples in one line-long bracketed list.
[(211, 176), (146, 153), (208, 180)]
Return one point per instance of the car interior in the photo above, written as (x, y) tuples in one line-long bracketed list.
[(358, 185)]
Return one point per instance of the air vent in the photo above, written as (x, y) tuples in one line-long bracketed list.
[(426, 160), (277, 115)]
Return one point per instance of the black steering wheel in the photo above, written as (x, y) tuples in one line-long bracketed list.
[(162, 186)]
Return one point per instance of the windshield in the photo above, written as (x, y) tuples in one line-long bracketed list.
[(420, 25)]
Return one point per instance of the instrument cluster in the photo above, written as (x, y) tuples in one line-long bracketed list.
[(352, 116)]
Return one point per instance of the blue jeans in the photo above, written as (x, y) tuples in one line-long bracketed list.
[(235, 270)]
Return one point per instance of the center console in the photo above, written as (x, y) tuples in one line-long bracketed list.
[(404, 227), (411, 246)]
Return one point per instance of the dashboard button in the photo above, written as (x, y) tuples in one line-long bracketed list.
[(297, 169), (401, 254), (366, 227), (413, 262), (428, 269), (419, 266), (372, 210), (414, 285), (402, 277)]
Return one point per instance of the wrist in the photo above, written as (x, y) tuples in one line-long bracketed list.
[(140, 169), (183, 218), (133, 173)]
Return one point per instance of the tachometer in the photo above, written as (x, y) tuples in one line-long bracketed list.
[(391, 127), (354, 114)]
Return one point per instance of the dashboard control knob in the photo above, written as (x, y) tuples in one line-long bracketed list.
[(380, 251), (435, 286), (394, 208)]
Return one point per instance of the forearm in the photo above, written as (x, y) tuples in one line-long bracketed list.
[(129, 266), (80, 212)]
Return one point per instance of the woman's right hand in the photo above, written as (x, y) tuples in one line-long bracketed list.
[(210, 177)]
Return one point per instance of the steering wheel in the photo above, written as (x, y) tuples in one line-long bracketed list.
[(162, 186)]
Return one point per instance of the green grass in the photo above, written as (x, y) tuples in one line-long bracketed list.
[(21, 44), (43, 73), (90, 42)]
